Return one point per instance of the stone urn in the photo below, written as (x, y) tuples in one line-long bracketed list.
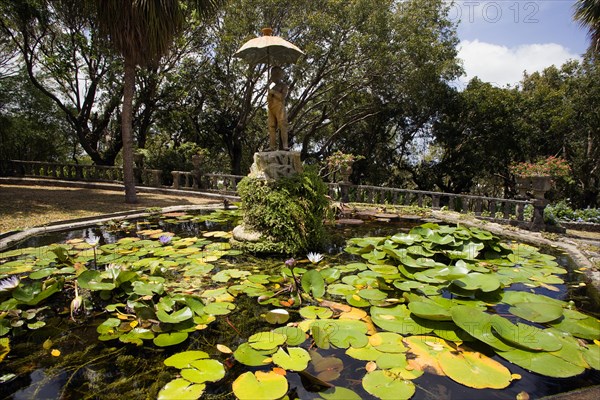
[(346, 171), (537, 185)]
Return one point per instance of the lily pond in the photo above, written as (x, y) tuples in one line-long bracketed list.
[(165, 308)]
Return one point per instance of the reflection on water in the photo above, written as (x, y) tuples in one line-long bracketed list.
[(42, 387)]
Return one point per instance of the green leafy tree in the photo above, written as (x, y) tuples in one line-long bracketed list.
[(66, 62), (479, 136), (371, 67)]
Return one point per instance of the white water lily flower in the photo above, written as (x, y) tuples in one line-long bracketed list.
[(92, 240), (9, 283), (314, 258)]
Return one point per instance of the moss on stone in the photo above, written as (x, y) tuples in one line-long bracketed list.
[(289, 212)]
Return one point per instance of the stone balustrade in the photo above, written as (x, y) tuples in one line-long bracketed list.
[(491, 208)]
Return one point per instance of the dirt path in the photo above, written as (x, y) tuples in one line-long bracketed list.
[(27, 206)]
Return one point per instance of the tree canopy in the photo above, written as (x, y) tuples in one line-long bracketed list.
[(377, 81)]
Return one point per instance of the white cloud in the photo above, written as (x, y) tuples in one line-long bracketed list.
[(501, 65)]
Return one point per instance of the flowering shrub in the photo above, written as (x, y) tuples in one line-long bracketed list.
[(551, 166), (341, 160)]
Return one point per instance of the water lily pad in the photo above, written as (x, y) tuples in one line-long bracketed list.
[(266, 340), (542, 363), (137, 336), (219, 308), (579, 325), (372, 294), (397, 319), (479, 325), (251, 357), (388, 385), (170, 339), (313, 312), (387, 342), (175, 317), (478, 281), (260, 386), (366, 353), (277, 316), (387, 361), (339, 393), (181, 389), (537, 312), (591, 354), (206, 370), (294, 336), (295, 359), (183, 359), (312, 282), (474, 369), (340, 333), (527, 336), (430, 310)]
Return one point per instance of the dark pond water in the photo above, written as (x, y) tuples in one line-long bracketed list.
[(89, 369)]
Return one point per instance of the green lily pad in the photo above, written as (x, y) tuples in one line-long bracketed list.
[(266, 340), (537, 312), (388, 384), (579, 325), (170, 339), (525, 336), (479, 325), (183, 359), (295, 359), (251, 357), (181, 389), (206, 370), (542, 363), (175, 317), (312, 281), (591, 354), (474, 369), (387, 361), (372, 294), (294, 336), (137, 336), (340, 333), (339, 393), (478, 281), (277, 316), (387, 342), (366, 353), (429, 310), (219, 308), (313, 312), (260, 386), (397, 319)]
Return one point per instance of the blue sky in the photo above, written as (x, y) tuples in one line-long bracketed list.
[(500, 39)]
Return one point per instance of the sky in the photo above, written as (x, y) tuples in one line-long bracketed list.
[(501, 39)]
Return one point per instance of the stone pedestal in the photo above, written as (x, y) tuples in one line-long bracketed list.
[(273, 165), (537, 186)]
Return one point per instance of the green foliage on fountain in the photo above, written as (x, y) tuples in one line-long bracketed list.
[(288, 212)]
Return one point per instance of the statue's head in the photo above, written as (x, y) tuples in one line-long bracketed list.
[(277, 74)]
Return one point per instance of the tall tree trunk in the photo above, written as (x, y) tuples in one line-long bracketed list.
[(126, 132)]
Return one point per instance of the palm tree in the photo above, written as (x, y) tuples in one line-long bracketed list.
[(587, 13), (142, 32)]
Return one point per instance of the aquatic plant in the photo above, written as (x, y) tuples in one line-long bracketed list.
[(437, 299)]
